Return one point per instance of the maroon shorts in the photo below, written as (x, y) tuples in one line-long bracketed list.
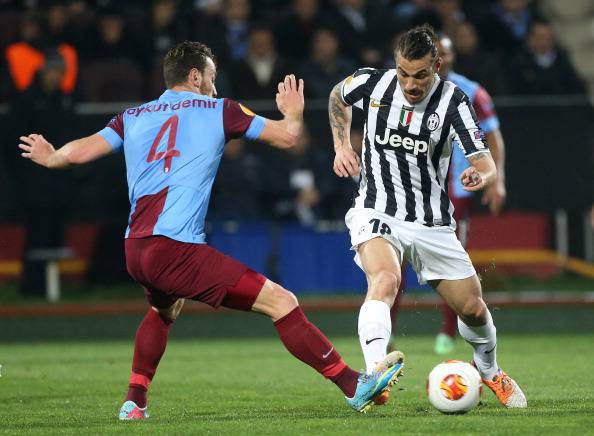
[(170, 270)]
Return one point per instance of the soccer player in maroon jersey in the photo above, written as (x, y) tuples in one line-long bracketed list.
[(172, 148)]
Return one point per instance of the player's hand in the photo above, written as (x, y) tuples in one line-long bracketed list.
[(495, 197), (472, 180), (346, 162), (36, 148), (289, 97)]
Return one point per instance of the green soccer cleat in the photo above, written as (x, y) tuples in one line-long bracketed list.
[(444, 344), (370, 386)]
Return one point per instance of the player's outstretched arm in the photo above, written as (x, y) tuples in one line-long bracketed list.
[(481, 174), (79, 151), (346, 161), (290, 102)]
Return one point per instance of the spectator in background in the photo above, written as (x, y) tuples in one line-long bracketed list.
[(291, 191), (81, 15), (476, 63), (296, 30), (208, 7), (361, 26), (226, 32), (43, 194), (58, 23), (111, 41), (257, 76), (406, 10), (325, 66), (506, 26), (167, 27), (410, 13), (237, 189), (24, 59), (543, 67), (450, 14)]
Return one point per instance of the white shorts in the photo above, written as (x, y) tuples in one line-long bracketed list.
[(434, 252)]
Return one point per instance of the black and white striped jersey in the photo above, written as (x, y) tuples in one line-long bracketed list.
[(406, 148)]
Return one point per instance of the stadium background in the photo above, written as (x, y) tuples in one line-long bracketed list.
[(69, 66)]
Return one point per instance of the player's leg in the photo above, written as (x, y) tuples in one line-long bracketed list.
[(381, 262), (439, 258), (444, 341), (305, 341), (151, 336), (202, 273), (396, 307), (474, 320), (378, 252), (149, 346), (475, 325)]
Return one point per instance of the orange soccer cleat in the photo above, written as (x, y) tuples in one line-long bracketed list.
[(507, 391), (382, 399)]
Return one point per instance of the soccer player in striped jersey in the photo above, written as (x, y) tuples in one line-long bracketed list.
[(402, 209), (172, 147), (494, 195)]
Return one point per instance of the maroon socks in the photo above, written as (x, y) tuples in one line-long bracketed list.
[(300, 337), (450, 321), (308, 344), (149, 346)]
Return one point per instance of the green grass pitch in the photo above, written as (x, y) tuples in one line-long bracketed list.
[(253, 386)]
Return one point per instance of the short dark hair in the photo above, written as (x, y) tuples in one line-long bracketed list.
[(181, 58), (417, 43)]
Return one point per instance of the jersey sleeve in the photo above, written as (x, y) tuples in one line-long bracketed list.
[(485, 110), (465, 129), (114, 132), (357, 86), (239, 121)]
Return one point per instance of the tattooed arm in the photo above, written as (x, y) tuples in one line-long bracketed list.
[(346, 161), (481, 174)]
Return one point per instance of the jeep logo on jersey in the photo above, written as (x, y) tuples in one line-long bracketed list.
[(395, 140), (433, 121), (406, 114)]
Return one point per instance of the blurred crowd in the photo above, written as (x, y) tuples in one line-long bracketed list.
[(113, 50), (58, 52)]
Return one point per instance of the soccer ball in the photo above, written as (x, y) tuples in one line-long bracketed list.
[(454, 387)]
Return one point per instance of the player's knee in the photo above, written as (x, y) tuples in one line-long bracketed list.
[(384, 284), (172, 312), (474, 310), (282, 301), (286, 300)]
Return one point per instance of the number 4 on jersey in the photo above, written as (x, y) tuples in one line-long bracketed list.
[(170, 153)]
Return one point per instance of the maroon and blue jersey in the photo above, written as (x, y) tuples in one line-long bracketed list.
[(172, 148)]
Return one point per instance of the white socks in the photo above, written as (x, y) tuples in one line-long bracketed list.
[(484, 341), (375, 328)]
